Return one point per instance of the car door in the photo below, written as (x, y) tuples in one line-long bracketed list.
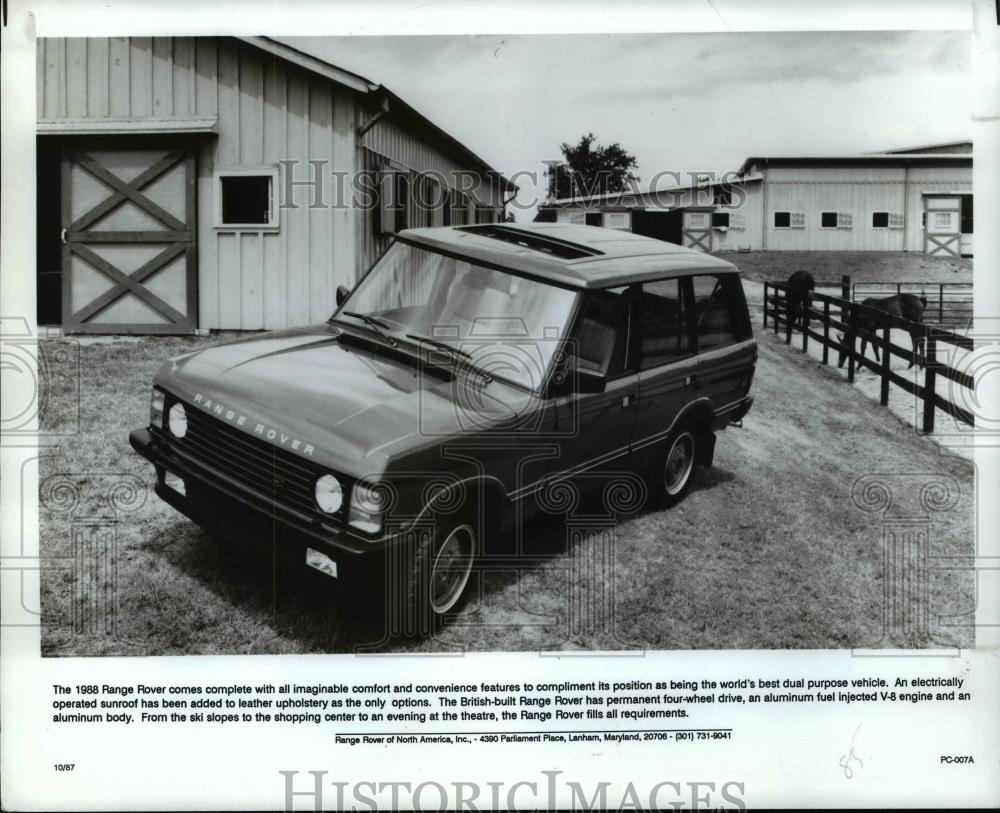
[(668, 366), (597, 427), (724, 338)]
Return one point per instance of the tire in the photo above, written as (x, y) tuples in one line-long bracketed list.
[(439, 574), (671, 474)]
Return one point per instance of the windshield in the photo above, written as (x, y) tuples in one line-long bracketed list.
[(505, 325)]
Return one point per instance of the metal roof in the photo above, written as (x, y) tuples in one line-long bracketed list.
[(592, 257), (892, 158)]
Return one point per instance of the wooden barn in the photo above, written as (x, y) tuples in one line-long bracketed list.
[(226, 183), (917, 199)]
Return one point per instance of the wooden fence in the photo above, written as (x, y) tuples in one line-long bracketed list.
[(827, 315)]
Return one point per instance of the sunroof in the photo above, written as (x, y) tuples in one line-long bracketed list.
[(552, 246)]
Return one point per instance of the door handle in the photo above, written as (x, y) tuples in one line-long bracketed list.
[(629, 400), (690, 379)]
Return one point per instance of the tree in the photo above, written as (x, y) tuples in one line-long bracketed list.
[(590, 169)]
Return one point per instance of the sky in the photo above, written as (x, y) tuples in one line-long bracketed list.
[(679, 102)]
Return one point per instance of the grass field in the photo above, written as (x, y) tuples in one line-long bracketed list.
[(769, 550)]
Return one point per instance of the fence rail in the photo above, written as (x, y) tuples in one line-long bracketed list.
[(948, 303), (831, 313)]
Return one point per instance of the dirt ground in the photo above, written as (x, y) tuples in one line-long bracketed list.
[(784, 543), (861, 266)]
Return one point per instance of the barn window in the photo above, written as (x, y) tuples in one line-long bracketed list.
[(836, 220), (578, 218), (720, 220), (245, 199), (782, 220), (880, 220), (616, 220), (895, 220)]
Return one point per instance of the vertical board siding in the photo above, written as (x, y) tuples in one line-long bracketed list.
[(118, 76), (268, 111), (76, 77), (183, 79), (141, 77), (295, 216), (97, 88), (320, 252), (163, 76)]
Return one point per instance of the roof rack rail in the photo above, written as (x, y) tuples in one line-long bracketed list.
[(553, 246)]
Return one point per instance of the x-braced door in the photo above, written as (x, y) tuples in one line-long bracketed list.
[(129, 253)]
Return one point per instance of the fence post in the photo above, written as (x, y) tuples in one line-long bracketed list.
[(941, 303), (774, 311), (826, 331), (788, 318), (886, 358), (807, 306), (849, 339), (845, 287), (764, 327), (930, 379)]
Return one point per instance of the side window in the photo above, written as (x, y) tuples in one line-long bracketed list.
[(719, 311), (601, 337), (664, 329)]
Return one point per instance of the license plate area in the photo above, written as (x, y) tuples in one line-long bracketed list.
[(174, 482), (321, 562)]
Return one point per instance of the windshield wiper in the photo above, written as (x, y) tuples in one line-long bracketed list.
[(377, 325), (454, 352)]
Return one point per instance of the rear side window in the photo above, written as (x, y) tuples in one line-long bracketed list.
[(665, 335), (601, 337), (719, 310)]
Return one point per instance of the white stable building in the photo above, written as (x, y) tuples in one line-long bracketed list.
[(917, 199)]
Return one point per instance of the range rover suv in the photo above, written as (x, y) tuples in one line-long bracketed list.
[(468, 370)]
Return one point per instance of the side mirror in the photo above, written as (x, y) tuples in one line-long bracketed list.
[(342, 294), (589, 381)]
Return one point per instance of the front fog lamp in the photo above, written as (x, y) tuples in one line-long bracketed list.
[(367, 507), (177, 420), (329, 494), (156, 409)]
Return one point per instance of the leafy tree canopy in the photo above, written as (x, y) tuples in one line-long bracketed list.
[(591, 169)]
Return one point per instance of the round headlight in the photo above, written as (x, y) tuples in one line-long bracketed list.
[(329, 494), (178, 421)]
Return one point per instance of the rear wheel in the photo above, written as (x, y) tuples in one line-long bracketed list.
[(670, 476)]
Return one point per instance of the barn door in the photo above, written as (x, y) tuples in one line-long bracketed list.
[(697, 232), (942, 236), (128, 262)]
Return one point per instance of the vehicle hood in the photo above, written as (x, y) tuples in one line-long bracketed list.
[(351, 404)]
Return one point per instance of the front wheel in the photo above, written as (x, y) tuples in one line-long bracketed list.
[(670, 477), (439, 574)]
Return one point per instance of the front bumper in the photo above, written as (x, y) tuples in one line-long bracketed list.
[(222, 506)]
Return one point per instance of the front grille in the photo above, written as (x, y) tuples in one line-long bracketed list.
[(257, 465)]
